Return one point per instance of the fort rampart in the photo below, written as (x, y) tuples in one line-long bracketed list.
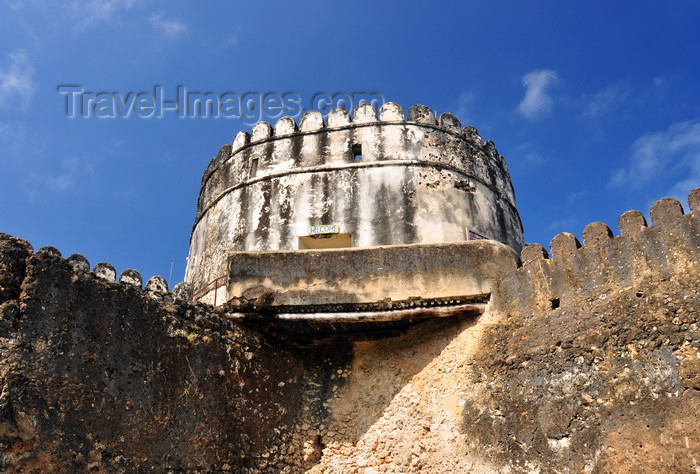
[(583, 362), (606, 263)]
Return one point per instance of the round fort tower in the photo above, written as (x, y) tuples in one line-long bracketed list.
[(360, 181)]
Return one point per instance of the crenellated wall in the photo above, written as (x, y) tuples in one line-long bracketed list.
[(99, 375), (156, 286), (421, 180), (605, 263)]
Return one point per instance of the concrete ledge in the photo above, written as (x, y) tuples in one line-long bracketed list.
[(363, 275)]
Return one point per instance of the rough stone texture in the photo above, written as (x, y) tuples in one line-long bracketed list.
[(48, 250), (588, 361), (131, 277), (603, 383), (99, 376), (79, 262), (182, 291), (157, 285), (105, 271), (609, 385), (417, 181), (13, 255)]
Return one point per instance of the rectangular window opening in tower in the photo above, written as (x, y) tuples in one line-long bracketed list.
[(253, 168), (357, 151)]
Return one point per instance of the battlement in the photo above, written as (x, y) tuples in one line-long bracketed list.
[(364, 115), (605, 263), (21, 250), (363, 140)]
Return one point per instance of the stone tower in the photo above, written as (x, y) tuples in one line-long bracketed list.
[(347, 183)]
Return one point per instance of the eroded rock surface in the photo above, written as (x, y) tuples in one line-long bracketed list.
[(588, 361), (99, 375)]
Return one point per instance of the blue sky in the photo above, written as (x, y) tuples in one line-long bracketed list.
[(595, 105)]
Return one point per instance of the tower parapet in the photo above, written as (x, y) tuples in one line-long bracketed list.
[(361, 181)]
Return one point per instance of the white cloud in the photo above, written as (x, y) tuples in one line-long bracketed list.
[(655, 156), (464, 108), (562, 225), (605, 100), (13, 137), (65, 179), (167, 27), (93, 11), (573, 197), (69, 173), (17, 82), (537, 101), (529, 155), (681, 189)]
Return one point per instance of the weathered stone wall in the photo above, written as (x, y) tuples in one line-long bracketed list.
[(606, 263), (588, 361), (425, 180), (101, 375)]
